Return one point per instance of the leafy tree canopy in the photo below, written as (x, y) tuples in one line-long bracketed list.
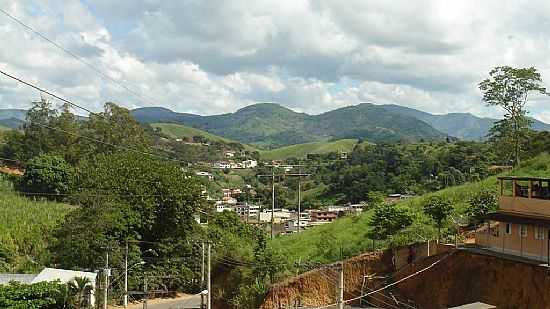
[(47, 173)]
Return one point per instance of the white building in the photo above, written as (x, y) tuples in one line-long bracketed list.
[(247, 210), (222, 165), (250, 163), (292, 224), (205, 174), (221, 207)]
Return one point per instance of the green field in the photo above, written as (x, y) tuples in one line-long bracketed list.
[(322, 244), (302, 150), (25, 229)]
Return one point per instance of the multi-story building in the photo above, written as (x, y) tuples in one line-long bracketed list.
[(324, 216), (521, 225)]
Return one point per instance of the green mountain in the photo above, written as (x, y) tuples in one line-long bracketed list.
[(461, 125), (271, 125), (12, 118)]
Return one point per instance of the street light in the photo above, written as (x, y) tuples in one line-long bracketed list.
[(126, 273)]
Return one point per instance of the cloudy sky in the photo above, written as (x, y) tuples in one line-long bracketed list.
[(211, 57)]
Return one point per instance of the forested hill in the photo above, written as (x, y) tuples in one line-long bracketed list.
[(462, 125), (271, 125)]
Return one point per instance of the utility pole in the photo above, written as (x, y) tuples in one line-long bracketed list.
[(272, 203), (299, 198), (273, 195), (126, 276), (202, 276), (209, 283), (340, 296), (107, 272), (145, 291)]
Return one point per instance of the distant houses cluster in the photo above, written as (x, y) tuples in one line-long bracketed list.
[(230, 164)]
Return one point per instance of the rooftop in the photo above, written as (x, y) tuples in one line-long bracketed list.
[(523, 178), (517, 217)]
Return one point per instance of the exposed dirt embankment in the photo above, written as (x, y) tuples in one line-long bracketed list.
[(318, 287), (461, 277), (468, 277)]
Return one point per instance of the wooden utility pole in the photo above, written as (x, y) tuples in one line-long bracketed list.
[(209, 282)]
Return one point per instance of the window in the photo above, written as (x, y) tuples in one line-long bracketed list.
[(508, 228), (523, 230), (539, 232)]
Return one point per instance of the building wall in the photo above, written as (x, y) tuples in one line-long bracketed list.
[(496, 239)]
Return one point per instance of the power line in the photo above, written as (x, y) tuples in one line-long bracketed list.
[(403, 279), (78, 58)]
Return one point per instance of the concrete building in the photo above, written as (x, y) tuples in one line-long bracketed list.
[(521, 225), (323, 216), (247, 210)]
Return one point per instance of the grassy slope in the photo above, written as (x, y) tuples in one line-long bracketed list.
[(178, 131), (301, 150), (25, 226), (322, 244)]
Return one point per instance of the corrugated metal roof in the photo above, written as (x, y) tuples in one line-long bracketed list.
[(21, 278)]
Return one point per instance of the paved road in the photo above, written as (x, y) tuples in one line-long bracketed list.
[(191, 302)]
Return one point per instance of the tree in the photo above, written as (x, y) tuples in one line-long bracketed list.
[(117, 129), (438, 208), (482, 203), (509, 89), (47, 173), (136, 197), (38, 137), (387, 220), (374, 199), (79, 292), (65, 137)]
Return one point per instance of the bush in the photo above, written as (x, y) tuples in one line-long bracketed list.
[(48, 174), (482, 203), (43, 295)]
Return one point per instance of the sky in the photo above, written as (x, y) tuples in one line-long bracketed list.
[(216, 56)]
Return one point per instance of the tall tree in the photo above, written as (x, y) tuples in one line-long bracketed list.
[(438, 208), (115, 127), (509, 88), (66, 134), (38, 137)]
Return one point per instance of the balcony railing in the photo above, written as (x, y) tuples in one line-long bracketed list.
[(525, 187)]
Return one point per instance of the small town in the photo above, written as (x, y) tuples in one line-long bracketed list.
[(274, 155)]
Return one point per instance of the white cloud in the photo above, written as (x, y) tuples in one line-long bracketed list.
[(216, 56)]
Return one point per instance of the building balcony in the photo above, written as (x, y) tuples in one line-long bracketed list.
[(525, 195)]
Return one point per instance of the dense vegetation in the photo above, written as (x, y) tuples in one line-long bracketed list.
[(351, 235), (26, 229)]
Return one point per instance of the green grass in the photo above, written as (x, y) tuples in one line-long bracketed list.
[(180, 131), (322, 244), (26, 226), (302, 150)]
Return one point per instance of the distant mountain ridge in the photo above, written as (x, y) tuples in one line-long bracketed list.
[(461, 125), (271, 125), (12, 118)]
